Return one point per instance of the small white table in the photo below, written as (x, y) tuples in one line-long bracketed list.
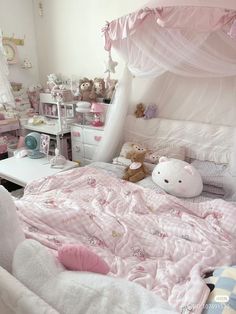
[(24, 170)]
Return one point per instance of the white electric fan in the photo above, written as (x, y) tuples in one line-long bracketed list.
[(32, 143)]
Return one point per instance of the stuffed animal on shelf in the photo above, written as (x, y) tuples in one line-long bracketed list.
[(177, 177), (139, 112), (150, 112), (86, 90), (99, 87), (136, 170)]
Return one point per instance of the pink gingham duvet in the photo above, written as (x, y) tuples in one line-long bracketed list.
[(163, 243)]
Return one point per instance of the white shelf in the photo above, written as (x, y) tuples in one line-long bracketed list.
[(53, 129)]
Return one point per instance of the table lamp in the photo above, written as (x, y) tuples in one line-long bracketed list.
[(98, 109)]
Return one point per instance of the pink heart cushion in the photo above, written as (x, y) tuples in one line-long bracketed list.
[(78, 257)]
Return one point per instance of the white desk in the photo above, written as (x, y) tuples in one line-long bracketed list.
[(23, 170)]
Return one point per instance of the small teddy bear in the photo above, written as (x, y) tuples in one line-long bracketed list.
[(150, 112), (136, 170), (152, 157), (130, 147), (86, 90), (99, 86), (139, 112)]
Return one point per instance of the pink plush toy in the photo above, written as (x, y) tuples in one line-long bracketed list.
[(78, 257)]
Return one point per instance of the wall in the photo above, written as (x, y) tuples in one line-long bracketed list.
[(16, 17), (69, 35)]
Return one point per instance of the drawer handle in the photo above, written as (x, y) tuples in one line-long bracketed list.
[(76, 134), (97, 138)]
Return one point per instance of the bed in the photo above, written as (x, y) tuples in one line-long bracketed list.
[(120, 221), (160, 246)]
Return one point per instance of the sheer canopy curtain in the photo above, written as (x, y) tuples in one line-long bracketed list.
[(153, 43), (5, 88), (153, 50)]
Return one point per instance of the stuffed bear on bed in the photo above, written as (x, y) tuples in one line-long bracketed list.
[(136, 170)]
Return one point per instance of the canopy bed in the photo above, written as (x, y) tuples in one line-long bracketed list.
[(121, 221)]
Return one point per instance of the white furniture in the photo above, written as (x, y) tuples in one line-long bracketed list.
[(61, 138), (63, 111), (85, 140), (24, 170)]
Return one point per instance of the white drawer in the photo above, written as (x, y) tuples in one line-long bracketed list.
[(92, 136), (89, 151), (83, 151), (75, 128), (76, 137), (77, 152)]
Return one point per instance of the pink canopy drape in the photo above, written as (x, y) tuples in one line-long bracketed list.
[(179, 39), (188, 38)]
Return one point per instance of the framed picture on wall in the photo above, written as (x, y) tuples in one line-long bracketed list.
[(11, 51)]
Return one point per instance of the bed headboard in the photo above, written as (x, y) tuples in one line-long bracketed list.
[(202, 141)]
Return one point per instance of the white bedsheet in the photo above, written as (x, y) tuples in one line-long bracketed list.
[(117, 170)]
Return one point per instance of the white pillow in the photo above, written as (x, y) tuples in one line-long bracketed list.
[(11, 233), (211, 173)]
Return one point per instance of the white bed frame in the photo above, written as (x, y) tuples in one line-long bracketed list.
[(202, 141)]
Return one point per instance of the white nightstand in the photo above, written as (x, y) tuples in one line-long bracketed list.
[(24, 170), (85, 140)]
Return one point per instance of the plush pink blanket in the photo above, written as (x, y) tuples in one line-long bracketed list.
[(156, 240)]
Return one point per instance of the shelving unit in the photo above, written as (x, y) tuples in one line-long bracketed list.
[(63, 111)]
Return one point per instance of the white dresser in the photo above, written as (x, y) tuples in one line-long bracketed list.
[(85, 140)]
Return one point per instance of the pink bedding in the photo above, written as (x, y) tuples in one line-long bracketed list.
[(156, 240)]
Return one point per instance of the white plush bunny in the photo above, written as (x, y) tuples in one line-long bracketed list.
[(177, 177)]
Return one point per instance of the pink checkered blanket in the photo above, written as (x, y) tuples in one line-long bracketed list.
[(163, 243)]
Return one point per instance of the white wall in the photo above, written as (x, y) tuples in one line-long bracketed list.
[(69, 35), (16, 17)]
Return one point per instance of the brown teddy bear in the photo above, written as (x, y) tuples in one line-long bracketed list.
[(86, 90), (139, 112), (99, 86), (136, 170)]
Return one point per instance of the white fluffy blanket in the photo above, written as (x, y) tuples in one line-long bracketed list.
[(80, 292)]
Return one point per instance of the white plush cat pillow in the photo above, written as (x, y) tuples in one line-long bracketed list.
[(177, 178)]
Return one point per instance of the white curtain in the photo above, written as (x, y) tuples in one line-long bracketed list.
[(116, 115), (5, 88)]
